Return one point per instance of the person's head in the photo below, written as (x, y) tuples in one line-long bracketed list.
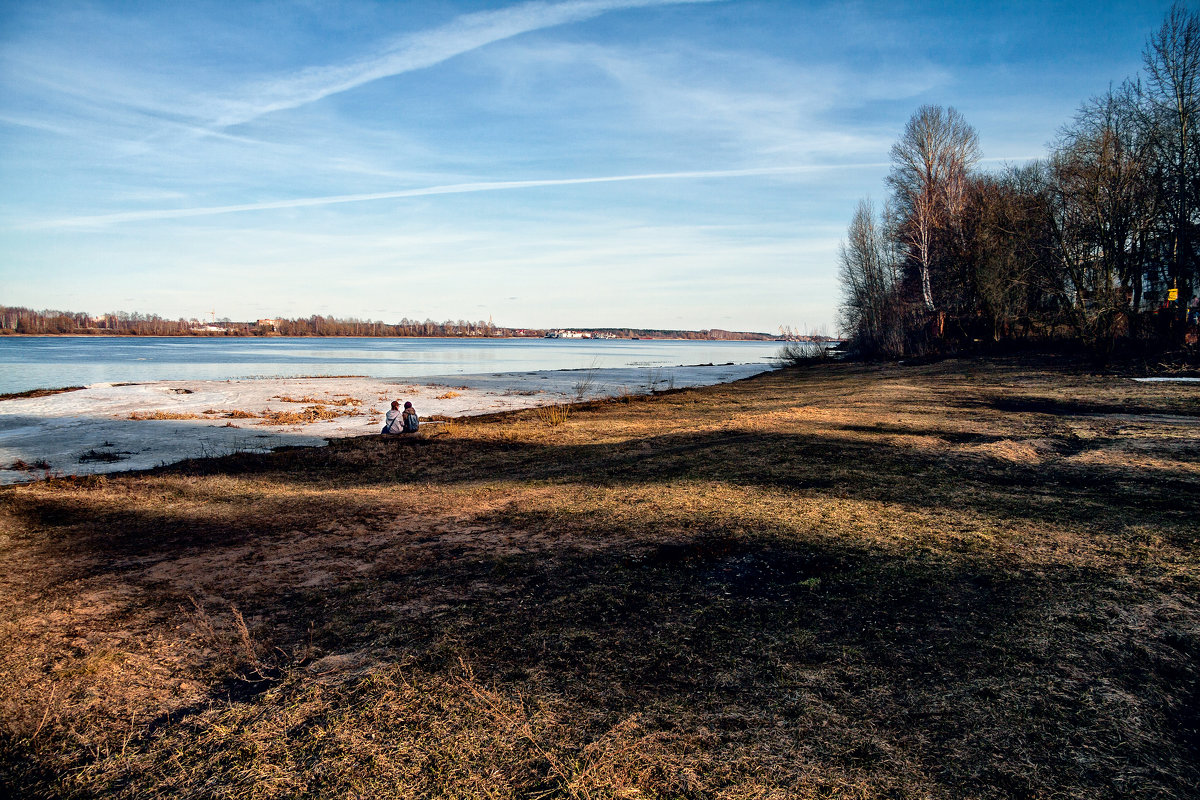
[(407, 404), (395, 404)]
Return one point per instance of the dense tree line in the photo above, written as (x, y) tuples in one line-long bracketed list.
[(28, 321), (16, 319), (19, 320), (329, 326), (713, 334), (1097, 244)]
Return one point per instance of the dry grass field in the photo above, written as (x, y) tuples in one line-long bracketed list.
[(969, 579)]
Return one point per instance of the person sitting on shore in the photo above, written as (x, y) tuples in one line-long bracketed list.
[(411, 421), (395, 419)]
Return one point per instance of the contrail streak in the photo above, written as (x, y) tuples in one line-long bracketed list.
[(416, 51), (452, 188), (100, 220)]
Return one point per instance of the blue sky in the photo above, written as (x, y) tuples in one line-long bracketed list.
[(591, 163)]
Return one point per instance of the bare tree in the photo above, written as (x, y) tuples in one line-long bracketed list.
[(1009, 253), (870, 311), (1172, 111), (1102, 212), (1102, 169), (930, 166)]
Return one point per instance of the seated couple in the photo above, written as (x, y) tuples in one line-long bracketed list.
[(398, 421)]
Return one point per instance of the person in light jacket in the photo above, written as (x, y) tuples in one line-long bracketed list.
[(395, 419)]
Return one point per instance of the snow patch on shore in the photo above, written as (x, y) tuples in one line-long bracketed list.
[(91, 430)]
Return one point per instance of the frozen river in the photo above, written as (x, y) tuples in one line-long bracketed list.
[(51, 362)]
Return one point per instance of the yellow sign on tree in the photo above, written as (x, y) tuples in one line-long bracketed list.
[(1172, 295)]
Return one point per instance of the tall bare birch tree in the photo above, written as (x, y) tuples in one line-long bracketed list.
[(930, 166)]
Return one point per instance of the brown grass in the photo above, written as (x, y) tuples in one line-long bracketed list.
[(966, 579), (341, 400), (165, 415), (313, 413)]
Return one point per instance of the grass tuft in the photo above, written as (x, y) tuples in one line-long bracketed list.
[(553, 415)]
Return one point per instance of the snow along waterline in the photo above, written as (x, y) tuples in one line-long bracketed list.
[(110, 428)]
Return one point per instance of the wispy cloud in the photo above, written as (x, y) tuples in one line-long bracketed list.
[(416, 51), (101, 220), (745, 105)]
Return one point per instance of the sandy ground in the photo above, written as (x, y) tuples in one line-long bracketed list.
[(91, 430)]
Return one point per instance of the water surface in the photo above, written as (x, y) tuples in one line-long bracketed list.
[(50, 362)]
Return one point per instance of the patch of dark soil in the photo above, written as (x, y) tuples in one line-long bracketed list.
[(21, 465), (952, 437), (241, 688), (39, 393), (1064, 408), (103, 456), (25, 774)]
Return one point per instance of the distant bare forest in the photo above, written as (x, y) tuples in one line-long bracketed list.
[(20, 320), (1097, 245)]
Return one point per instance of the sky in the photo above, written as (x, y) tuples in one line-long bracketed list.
[(567, 163)]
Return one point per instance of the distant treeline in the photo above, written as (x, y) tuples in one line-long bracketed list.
[(29, 321), (1098, 245), (713, 333), (19, 320)]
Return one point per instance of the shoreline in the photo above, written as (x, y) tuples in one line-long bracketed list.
[(105, 428)]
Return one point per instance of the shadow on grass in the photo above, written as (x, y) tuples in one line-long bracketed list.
[(811, 466), (843, 466), (1062, 408), (934, 672), (952, 672)]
